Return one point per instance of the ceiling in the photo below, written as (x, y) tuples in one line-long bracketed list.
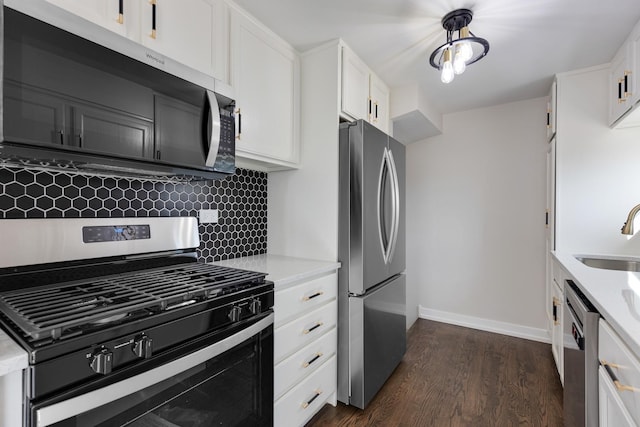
[(530, 40)]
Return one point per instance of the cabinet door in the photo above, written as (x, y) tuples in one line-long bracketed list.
[(355, 86), (183, 30), (110, 14), (551, 112), (265, 77), (632, 77), (32, 115), (379, 103), (112, 132), (619, 84), (556, 331), (611, 409)]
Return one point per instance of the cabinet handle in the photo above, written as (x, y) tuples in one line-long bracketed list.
[(153, 18), (306, 404), (316, 357), (548, 118), (546, 218), (621, 99), (614, 378), (370, 108), (121, 12), (556, 303), (313, 328), (626, 84), (158, 155), (61, 134), (376, 116), (239, 114), (613, 365), (317, 294)]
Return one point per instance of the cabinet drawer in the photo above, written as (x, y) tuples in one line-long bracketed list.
[(302, 331), (624, 365), (611, 409), (298, 406), (302, 298), (294, 368)]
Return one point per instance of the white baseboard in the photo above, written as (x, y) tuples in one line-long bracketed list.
[(504, 328)]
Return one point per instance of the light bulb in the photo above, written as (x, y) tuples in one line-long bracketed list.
[(447, 68), (459, 64), (465, 47)]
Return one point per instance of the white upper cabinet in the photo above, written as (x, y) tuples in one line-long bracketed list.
[(355, 85), (193, 32), (190, 31), (378, 103), (106, 13), (620, 89), (551, 112), (265, 75), (364, 95), (624, 93)]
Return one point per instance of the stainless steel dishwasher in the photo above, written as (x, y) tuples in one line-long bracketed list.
[(580, 358)]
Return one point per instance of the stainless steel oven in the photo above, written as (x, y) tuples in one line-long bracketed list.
[(142, 335)]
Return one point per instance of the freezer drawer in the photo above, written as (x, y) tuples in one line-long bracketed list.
[(377, 338)]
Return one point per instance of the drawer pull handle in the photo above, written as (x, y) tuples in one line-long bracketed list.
[(313, 328), (316, 357), (317, 294), (306, 404), (614, 378), (613, 365)]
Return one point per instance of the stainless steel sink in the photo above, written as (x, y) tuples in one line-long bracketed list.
[(621, 264)]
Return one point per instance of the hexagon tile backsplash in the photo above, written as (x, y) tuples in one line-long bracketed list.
[(241, 201)]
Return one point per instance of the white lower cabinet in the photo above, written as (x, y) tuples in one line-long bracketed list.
[(612, 410), (302, 402), (305, 344), (619, 380), (555, 295)]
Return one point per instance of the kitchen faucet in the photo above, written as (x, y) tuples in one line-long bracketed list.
[(627, 228)]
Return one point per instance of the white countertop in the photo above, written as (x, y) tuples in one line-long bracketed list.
[(283, 271), (616, 295), (12, 356)]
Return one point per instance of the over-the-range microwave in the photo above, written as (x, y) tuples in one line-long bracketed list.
[(79, 97)]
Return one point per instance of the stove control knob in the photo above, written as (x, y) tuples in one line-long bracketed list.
[(235, 313), (143, 347), (101, 361), (255, 306)]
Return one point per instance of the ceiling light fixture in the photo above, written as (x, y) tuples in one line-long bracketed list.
[(454, 56)]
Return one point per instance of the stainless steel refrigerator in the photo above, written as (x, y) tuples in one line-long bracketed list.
[(371, 283)]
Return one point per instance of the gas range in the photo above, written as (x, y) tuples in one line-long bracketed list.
[(145, 301)]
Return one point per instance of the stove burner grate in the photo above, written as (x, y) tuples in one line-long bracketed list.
[(48, 311)]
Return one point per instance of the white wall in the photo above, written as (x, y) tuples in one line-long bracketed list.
[(598, 169), (303, 204), (475, 219)]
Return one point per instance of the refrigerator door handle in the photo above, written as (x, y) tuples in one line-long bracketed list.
[(395, 186), (388, 237)]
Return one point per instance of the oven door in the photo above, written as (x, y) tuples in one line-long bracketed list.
[(229, 382)]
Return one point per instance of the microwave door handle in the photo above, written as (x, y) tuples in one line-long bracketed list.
[(214, 138)]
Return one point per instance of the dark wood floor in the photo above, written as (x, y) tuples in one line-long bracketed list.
[(455, 376)]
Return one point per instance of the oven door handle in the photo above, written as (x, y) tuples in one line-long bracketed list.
[(96, 398)]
